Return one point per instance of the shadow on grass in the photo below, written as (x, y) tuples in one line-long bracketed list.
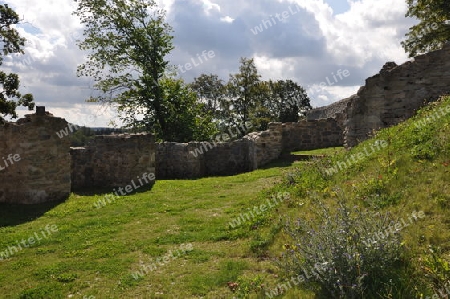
[(286, 160), (277, 163), (15, 214), (104, 191)]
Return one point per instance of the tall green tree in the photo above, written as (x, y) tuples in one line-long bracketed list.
[(186, 119), (12, 43), (262, 111), (432, 31), (243, 90), (211, 91), (290, 100), (128, 42)]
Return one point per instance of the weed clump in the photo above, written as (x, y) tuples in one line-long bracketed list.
[(348, 253)]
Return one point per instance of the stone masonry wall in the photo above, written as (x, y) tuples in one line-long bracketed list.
[(396, 93), (265, 146), (174, 161), (313, 134), (113, 161), (34, 161), (228, 158), (330, 111), (199, 159)]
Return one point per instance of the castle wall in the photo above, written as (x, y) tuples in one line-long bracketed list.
[(34, 161), (334, 110), (312, 134), (113, 161), (394, 94), (200, 159)]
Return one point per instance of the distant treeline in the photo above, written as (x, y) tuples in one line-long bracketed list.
[(84, 134)]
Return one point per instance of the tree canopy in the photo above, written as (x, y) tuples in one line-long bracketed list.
[(244, 89), (246, 98), (432, 31), (128, 42), (12, 43)]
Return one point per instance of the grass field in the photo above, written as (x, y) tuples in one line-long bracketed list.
[(96, 250), (179, 238)]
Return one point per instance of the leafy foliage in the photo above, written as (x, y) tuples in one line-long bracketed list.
[(289, 100), (211, 91), (338, 256), (246, 98), (128, 41), (12, 43), (432, 32), (243, 89), (186, 119)]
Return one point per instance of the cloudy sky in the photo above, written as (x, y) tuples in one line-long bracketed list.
[(308, 41)]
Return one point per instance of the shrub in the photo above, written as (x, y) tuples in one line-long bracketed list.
[(341, 254)]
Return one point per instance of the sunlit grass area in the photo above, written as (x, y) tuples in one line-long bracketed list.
[(96, 250)]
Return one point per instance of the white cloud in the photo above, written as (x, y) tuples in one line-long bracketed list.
[(208, 6), (364, 32), (227, 19)]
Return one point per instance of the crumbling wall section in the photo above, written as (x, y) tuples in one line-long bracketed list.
[(34, 161), (113, 161), (200, 159), (395, 94), (312, 134)]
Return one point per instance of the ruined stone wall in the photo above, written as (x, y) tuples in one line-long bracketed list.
[(313, 134), (48, 169), (34, 161), (396, 93), (174, 161), (200, 159), (228, 158), (330, 111), (265, 146), (113, 161)]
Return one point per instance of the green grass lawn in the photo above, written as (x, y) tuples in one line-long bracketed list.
[(96, 250), (180, 230)]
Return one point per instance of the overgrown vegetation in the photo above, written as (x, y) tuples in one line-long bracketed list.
[(346, 252), (336, 231)]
